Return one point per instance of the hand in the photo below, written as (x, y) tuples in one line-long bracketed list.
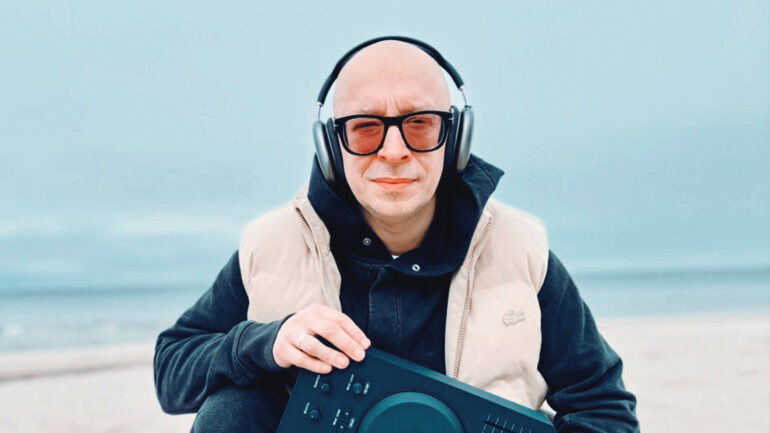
[(296, 344)]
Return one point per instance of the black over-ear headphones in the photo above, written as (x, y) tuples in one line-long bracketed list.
[(457, 152)]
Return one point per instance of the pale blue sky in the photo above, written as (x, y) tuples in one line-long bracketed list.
[(136, 139)]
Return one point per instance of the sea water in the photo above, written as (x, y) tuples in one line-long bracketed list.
[(40, 318)]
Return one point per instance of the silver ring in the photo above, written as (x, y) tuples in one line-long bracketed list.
[(300, 338)]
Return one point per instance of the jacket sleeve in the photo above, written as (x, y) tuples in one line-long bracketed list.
[(583, 373), (213, 345)]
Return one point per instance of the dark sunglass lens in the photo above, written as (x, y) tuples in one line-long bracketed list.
[(423, 131), (364, 134)]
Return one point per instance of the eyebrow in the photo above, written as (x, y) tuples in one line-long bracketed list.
[(407, 107), (371, 110)]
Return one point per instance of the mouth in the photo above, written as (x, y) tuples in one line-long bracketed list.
[(393, 183)]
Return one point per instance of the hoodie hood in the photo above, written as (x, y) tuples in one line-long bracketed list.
[(460, 201)]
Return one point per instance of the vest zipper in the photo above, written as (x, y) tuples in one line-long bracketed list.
[(319, 268), (307, 225), (314, 251), (467, 308)]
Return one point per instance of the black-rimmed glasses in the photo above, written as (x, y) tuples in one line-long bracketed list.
[(422, 131)]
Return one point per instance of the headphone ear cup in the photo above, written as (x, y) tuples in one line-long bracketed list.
[(464, 135), (451, 144), (335, 152), (322, 154)]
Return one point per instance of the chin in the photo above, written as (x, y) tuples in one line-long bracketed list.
[(394, 207)]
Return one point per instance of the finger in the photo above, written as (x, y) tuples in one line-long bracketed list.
[(313, 347), (350, 327), (303, 360), (355, 332), (336, 335)]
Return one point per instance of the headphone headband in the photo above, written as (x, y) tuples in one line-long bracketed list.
[(420, 44)]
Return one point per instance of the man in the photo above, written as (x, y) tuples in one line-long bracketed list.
[(403, 256)]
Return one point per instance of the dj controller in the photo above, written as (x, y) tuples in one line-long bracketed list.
[(387, 394)]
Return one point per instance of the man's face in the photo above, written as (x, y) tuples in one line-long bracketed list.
[(390, 79)]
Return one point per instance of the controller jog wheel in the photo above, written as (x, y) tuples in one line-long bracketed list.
[(410, 412)]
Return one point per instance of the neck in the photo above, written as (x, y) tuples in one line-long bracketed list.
[(401, 234)]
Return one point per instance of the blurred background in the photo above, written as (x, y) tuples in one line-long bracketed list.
[(138, 138)]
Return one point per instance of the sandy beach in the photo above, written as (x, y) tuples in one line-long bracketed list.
[(696, 373)]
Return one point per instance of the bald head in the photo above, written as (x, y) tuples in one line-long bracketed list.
[(390, 78)]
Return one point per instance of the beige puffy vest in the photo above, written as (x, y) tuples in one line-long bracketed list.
[(492, 337)]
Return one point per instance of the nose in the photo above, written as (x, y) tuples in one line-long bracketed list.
[(394, 149)]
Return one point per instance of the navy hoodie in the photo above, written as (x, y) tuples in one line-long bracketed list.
[(213, 345)]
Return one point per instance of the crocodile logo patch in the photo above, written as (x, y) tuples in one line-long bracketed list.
[(513, 317)]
